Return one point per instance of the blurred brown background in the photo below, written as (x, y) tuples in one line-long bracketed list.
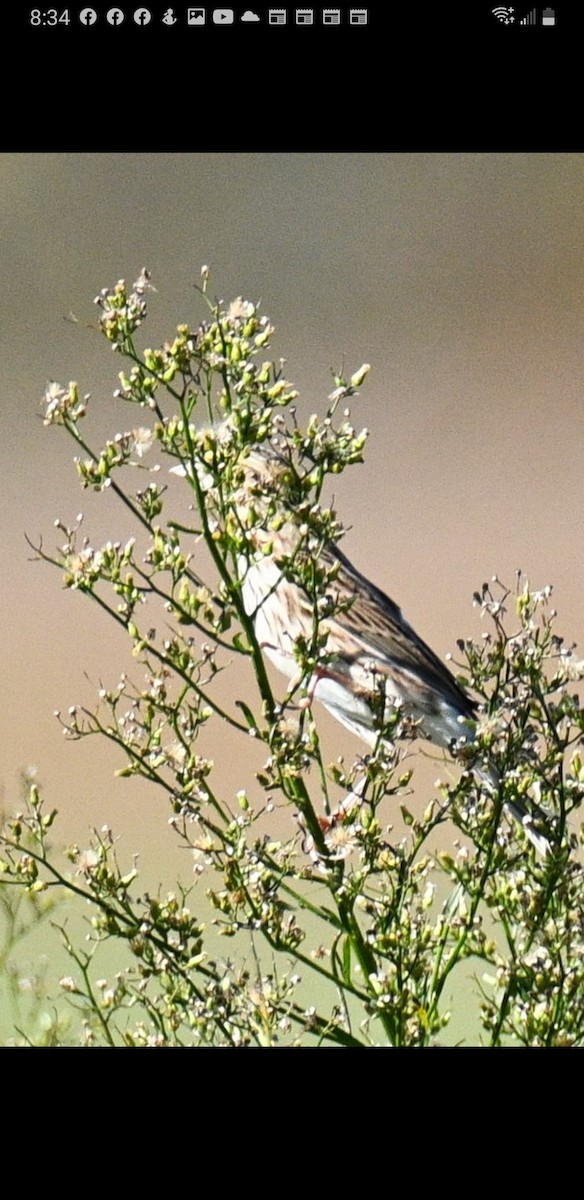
[(458, 277)]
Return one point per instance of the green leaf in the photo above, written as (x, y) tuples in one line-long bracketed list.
[(247, 714)]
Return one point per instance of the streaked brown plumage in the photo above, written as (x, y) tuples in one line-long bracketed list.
[(369, 644)]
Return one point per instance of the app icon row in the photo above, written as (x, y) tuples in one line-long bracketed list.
[(227, 16)]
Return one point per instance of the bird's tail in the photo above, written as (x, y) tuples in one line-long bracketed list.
[(528, 820), (488, 775)]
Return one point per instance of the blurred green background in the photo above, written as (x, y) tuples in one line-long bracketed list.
[(458, 277)]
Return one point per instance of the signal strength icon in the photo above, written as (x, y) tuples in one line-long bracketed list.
[(504, 14), (530, 19)]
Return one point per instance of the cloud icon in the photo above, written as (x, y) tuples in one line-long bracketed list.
[(249, 15)]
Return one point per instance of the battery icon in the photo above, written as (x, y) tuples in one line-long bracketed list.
[(548, 17)]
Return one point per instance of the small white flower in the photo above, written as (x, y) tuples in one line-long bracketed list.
[(341, 841), (176, 754), (240, 309), (88, 859), (142, 439), (53, 397)]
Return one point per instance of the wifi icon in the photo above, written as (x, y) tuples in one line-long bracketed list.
[(504, 14)]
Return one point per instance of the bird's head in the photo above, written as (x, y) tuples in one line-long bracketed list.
[(265, 469)]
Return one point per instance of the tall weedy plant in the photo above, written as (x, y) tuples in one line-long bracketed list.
[(344, 929)]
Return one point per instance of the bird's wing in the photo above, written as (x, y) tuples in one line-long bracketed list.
[(377, 624)]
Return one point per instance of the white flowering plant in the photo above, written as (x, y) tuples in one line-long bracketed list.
[(348, 900)]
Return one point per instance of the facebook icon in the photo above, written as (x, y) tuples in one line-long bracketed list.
[(142, 16), (114, 16)]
